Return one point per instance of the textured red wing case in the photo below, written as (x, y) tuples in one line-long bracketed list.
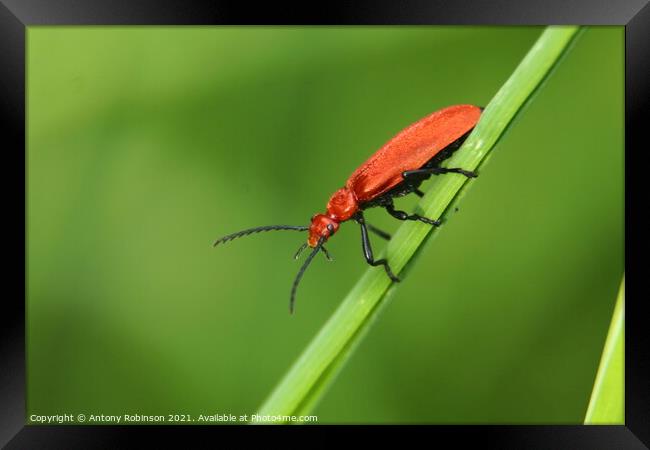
[(411, 149)]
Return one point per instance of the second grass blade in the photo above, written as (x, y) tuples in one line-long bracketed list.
[(607, 403)]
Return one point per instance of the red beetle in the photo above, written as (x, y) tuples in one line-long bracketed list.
[(396, 169)]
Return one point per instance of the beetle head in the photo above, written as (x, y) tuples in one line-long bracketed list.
[(321, 226)]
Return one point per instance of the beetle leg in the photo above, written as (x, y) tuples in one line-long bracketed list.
[(367, 250), (402, 215), (378, 232), (419, 193), (438, 171)]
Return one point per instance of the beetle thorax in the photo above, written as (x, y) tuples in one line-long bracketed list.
[(342, 205)]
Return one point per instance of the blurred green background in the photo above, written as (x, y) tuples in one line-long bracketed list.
[(145, 144)]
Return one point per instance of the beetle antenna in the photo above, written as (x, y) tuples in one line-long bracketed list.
[(230, 237), (301, 272)]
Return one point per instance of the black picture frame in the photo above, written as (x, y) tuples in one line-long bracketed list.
[(16, 15)]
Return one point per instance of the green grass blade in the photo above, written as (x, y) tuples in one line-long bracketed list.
[(607, 403), (301, 388)]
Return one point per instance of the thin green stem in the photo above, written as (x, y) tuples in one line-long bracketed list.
[(606, 405), (301, 388)]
